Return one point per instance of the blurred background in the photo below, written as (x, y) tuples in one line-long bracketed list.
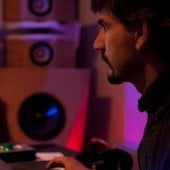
[(53, 85)]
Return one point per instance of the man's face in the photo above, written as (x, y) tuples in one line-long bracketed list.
[(117, 46)]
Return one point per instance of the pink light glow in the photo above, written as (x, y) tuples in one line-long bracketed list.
[(134, 120)]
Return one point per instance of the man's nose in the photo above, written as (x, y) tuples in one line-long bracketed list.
[(99, 43)]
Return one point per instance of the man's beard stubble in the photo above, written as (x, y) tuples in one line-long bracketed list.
[(112, 78)]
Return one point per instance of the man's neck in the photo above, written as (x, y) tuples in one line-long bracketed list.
[(148, 76)]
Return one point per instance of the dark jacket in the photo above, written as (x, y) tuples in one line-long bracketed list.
[(154, 149)]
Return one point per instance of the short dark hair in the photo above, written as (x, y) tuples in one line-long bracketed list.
[(155, 12)]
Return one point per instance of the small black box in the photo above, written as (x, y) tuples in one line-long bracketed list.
[(17, 153)]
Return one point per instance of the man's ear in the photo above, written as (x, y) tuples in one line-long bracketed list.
[(141, 35)]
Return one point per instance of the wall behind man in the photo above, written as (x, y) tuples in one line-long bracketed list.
[(1, 33), (1, 1)]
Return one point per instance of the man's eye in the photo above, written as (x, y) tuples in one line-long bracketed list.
[(106, 27)]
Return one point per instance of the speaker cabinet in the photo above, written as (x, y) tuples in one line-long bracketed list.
[(40, 10), (45, 106), (43, 50)]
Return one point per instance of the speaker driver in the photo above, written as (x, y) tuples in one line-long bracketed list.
[(41, 53), (40, 7), (41, 117)]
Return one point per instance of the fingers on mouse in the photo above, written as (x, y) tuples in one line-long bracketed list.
[(56, 166)]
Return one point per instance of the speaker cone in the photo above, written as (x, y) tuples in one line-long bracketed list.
[(41, 117), (41, 53), (40, 7)]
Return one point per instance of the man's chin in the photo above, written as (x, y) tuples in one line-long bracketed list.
[(114, 80)]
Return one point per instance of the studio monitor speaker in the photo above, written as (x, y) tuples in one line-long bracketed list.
[(40, 10), (45, 106), (43, 50)]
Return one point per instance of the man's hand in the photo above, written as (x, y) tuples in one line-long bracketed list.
[(69, 163)]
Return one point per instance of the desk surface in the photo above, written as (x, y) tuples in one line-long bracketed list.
[(54, 148)]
